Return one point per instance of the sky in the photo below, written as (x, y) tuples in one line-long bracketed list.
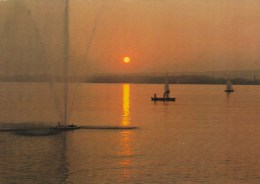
[(157, 35)]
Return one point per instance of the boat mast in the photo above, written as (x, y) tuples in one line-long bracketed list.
[(166, 87), (66, 57)]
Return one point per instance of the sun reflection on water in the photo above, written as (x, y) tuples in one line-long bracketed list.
[(125, 140), (126, 105), (126, 151), (126, 154)]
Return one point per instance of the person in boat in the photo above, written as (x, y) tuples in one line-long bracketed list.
[(154, 95)]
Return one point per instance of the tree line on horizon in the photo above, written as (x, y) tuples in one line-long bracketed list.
[(142, 79), (176, 79)]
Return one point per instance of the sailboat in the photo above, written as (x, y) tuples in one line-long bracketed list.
[(64, 125), (166, 93), (229, 87)]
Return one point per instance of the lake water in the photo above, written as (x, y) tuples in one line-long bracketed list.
[(206, 136)]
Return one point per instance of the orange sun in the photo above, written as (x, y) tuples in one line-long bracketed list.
[(126, 59)]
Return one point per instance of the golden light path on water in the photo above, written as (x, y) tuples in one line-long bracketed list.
[(126, 105), (126, 154), (125, 141)]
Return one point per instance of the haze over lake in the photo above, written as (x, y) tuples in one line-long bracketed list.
[(206, 136), (158, 36), (50, 49)]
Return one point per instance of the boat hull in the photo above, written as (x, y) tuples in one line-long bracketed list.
[(229, 90), (66, 128), (162, 99)]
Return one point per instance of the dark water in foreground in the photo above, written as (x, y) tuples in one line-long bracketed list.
[(205, 136)]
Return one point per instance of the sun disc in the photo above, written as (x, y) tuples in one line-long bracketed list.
[(126, 59)]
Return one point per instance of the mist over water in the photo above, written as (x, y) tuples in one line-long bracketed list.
[(205, 136), (35, 48)]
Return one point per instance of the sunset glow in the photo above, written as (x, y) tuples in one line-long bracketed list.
[(126, 59)]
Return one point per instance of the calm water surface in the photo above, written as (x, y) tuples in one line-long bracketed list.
[(206, 136)]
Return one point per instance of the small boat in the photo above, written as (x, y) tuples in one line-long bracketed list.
[(229, 87), (65, 127), (166, 94)]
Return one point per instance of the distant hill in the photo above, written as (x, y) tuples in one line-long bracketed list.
[(246, 74), (209, 77), (198, 78)]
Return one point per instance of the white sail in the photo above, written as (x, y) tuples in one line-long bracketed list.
[(229, 85), (166, 87)]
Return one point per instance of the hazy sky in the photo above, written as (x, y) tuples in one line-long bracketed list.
[(158, 35)]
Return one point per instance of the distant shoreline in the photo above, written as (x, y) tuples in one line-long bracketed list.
[(178, 79), (138, 79)]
